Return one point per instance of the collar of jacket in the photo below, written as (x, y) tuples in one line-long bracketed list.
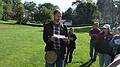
[(61, 24)]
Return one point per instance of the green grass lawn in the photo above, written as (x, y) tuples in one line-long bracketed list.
[(23, 46)]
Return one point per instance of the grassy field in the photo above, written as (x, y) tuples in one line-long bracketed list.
[(23, 46)]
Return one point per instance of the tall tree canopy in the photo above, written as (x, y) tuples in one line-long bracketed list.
[(30, 6), (117, 12), (68, 15), (44, 12), (7, 9), (85, 12), (1, 9)]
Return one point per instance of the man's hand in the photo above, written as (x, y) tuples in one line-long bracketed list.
[(51, 39), (71, 38), (66, 40)]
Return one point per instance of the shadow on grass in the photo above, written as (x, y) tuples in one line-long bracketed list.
[(8, 23), (81, 62), (82, 30), (87, 64), (77, 30), (34, 25), (78, 62)]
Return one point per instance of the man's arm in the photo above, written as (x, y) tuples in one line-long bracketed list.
[(66, 40), (45, 34), (74, 37)]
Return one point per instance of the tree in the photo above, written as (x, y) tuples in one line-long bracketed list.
[(14, 7), (31, 6), (19, 13), (1, 9), (68, 14), (44, 12), (49, 6), (7, 9), (31, 9), (106, 10), (117, 11), (44, 15), (89, 1), (15, 2), (85, 12)]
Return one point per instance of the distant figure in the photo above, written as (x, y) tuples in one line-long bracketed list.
[(115, 42), (93, 33), (114, 29), (71, 46)]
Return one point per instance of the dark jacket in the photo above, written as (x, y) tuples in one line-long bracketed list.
[(115, 44), (72, 44), (48, 32), (102, 45)]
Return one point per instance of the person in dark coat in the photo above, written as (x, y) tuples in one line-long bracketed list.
[(115, 43), (102, 47), (55, 36), (71, 46)]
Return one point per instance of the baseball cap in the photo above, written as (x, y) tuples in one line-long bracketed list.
[(106, 26)]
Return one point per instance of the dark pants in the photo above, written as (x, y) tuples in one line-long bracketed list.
[(93, 52), (59, 63), (69, 55)]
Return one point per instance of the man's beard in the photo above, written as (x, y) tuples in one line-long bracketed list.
[(57, 20)]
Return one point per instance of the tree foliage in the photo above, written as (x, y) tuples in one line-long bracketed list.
[(30, 9), (31, 6), (68, 15), (44, 12), (48, 6), (14, 7), (85, 12), (10, 9), (1, 9), (117, 6), (19, 13), (7, 9)]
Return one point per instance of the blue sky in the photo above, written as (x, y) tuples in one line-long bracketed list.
[(63, 4)]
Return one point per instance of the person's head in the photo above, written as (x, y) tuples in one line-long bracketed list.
[(57, 16), (118, 29), (106, 28), (71, 30), (95, 25), (116, 24)]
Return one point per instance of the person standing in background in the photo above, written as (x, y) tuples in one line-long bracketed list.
[(71, 46), (93, 33), (114, 29), (102, 47), (115, 43)]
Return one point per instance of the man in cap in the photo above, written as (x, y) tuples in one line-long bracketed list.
[(102, 47)]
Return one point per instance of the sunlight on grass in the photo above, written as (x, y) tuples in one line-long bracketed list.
[(23, 46)]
